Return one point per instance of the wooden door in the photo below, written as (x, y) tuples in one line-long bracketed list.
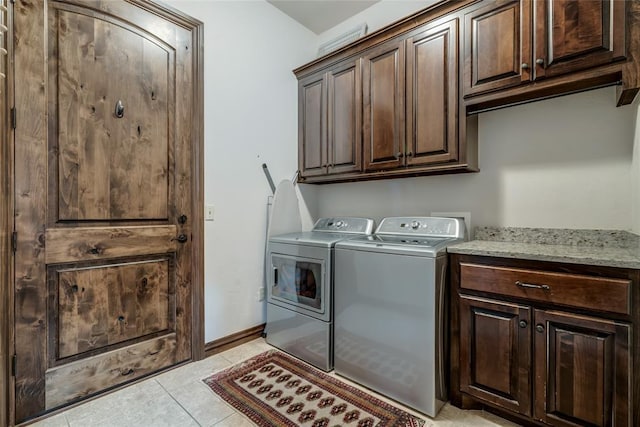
[(582, 368), (497, 46), (6, 216), (344, 118), (572, 35), (432, 95), (105, 189), (495, 344), (383, 106), (312, 126)]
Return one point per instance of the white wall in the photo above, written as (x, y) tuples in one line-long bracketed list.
[(250, 118), (564, 162), (635, 174)]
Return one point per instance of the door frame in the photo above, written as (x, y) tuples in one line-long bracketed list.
[(7, 197)]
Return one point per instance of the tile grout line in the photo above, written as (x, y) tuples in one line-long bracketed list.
[(176, 400)]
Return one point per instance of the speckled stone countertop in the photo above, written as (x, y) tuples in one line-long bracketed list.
[(592, 247)]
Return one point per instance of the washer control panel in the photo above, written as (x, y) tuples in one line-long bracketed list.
[(423, 226), (344, 225)]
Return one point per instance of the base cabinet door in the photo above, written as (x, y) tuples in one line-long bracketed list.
[(582, 367), (495, 352)]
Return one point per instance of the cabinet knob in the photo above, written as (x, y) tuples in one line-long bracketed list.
[(410, 154), (540, 61), (523, 324), (399, 155), (539, 328), (525, 66)]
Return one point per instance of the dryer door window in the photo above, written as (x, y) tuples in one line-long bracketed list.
[(298, 281)]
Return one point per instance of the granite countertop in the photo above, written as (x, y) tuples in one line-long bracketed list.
[(592, 247)]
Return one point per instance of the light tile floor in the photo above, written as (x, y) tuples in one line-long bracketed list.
[(179, 398)]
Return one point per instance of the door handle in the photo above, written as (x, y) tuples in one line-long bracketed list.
[(119, 110)]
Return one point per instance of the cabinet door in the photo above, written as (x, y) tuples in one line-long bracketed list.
[(495, 339), (582, 368), (312, 138), (432, 95), (344, 131), (383, 102), (572, 35), (497, 46)]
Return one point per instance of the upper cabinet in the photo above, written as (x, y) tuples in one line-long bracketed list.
[(432, 95), (403, 101), (509, 42), (330, 121), (383, 95)]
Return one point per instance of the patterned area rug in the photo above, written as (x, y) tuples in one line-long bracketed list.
[(274, 389)]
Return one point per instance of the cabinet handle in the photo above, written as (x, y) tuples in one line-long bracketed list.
[(525, 66), (410, 154), (532, 286), (399, 155), (540, 61), (523, 324), (539, 328)]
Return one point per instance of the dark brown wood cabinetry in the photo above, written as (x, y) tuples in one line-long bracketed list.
[(432, 95), (411, 108), (383, 96), (330, 115), (547, 343), (514, 41)]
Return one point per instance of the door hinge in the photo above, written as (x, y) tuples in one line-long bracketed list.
[(14, 361), (14, 118), (14, 241)]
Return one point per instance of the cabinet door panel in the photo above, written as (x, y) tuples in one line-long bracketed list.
[(497, 43), (573, 34), (383, 115), (579, 362), (494, 352), (344, 132), (312, 156), (432, 95)]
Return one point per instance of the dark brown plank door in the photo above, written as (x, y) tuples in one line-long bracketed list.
[(572, 35), (312, 129), (344, 131), (383, 106), (497, 46), (582, 370), (495, 352), (103, 176), (432, 95)]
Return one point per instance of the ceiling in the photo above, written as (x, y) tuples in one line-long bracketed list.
[(320, 15)]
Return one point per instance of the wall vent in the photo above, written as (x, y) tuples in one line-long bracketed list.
[(343, 39)]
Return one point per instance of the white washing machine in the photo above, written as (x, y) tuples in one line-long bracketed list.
[(390, 308)]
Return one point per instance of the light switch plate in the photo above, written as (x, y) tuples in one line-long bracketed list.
[(208, 213)]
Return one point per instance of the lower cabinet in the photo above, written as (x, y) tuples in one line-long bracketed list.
[(541, 362)]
